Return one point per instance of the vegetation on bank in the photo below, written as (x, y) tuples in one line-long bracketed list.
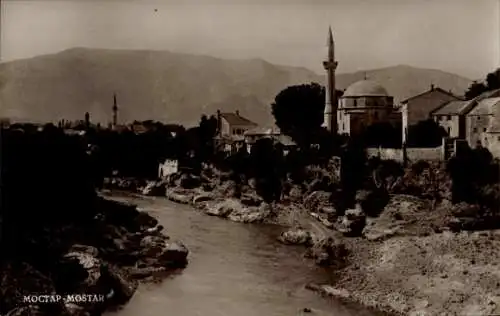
[(59, 237)]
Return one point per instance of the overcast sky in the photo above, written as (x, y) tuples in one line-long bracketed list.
[(461, 36)]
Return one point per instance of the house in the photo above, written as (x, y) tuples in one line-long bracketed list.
[(231, 128), (491, 139), (365, 103), (274, 133), (479, 120), (451, 116), (168, 167), (419, 107)]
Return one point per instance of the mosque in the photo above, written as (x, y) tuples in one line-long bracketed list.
[(363, 103)]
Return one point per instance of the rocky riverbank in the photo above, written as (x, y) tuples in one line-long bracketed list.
[(403, 249), (104, 259)]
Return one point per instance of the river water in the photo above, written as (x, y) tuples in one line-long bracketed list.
[(234, 270)]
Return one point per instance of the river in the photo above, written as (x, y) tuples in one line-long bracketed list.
[(234, 270)]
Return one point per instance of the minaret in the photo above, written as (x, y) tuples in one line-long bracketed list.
[(115, 112), (330, 118), (87, 120)]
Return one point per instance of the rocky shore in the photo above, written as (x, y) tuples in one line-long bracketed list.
[(396, 251), (105, 261)]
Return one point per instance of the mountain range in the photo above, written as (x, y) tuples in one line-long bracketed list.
[(174, 87)]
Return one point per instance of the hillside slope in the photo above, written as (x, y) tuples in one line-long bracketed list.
[(171, 87)]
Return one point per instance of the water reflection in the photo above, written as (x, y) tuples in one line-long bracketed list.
[(234, 269)]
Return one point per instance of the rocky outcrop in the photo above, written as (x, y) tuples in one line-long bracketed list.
[(317, 200), (180, 195), (154, 188), (121, 247), (405, 215), (297, 237), (351, 224), (327, 252)]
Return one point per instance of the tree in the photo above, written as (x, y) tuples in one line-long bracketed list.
[(298, 111), (267, 169), (382, 134), (425, 134), (492, 83)]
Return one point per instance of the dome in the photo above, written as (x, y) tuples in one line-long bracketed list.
[(365, 88)]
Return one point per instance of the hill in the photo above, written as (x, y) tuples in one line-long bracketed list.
[(171, 87)]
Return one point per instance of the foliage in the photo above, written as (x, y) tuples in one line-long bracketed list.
[(472, 171), (425, 134), (298, 111), (477, 88), (267, 168), (353, 172), (46, 183), (382, 134)]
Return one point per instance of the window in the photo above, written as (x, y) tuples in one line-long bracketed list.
[(375, 115), (484, 129), (449, 131), (355, 102), (474, 130), (448, 117), (478, 118), (498, 138)]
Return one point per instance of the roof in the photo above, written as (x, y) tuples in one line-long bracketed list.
[(453, 108), (230, 138), (285, 140), (365, 88), (432, 89), (236, 119), (463, 107), (486, 106), (263, 130)]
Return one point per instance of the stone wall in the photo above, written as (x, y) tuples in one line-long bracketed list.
[(168, 167), (413, 154)]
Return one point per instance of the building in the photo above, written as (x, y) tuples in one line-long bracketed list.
[(454, 117), (231, 128), (419, 107), (233, 124), (330, 65), (168, 167), (274, 133), (365, 103), (451, 116), (115, 112), (491, 139), (479, 120)]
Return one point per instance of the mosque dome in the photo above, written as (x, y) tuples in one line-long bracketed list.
[(365, 88)]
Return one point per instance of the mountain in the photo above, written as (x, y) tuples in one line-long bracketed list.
[(172, 87)]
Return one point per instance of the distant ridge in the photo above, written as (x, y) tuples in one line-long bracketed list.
[(173, 87)]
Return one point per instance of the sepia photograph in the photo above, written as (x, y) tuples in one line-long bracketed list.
[(249, 157)]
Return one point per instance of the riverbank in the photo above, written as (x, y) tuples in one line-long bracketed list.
[(413, 256), (104, 259)]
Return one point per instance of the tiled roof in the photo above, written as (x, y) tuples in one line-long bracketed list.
[(285, 140), (235, 119), (453, 108), (486, 106), (230, 138), (263, 130), (430, 91)]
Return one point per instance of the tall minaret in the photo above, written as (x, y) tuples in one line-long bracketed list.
[(115, 112), (330, 119)]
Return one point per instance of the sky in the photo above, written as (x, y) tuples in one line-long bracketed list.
[(460, 36)]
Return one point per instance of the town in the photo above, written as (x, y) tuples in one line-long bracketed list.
[(354, 198)]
